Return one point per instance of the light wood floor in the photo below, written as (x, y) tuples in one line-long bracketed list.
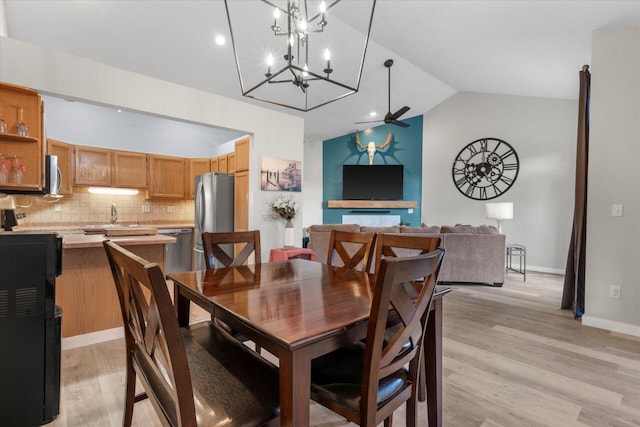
[(511, 358)]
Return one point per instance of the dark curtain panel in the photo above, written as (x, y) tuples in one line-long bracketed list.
[(573, 292)]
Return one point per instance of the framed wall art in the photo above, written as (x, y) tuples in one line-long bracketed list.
[(280, 175)]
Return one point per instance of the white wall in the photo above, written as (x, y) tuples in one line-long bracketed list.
[(275, 134), (543, 133), (613, 250), (312, 183)]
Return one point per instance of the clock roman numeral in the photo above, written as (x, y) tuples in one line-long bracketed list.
[(506, 180), (469, 190), (483, 145), (510, 152), (460, 182), (510, 166), (483, 193)]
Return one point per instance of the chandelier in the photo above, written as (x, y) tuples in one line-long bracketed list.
[(299, 54)]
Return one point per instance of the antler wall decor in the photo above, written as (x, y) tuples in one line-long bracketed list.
[(371, 147)]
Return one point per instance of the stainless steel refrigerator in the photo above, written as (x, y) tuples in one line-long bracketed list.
[(213, 211)]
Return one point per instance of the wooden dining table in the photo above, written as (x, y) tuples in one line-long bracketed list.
[(298, 310)]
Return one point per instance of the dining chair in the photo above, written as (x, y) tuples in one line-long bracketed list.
[(396, 245), (367, 381), (190, 373), (348, 250), (212, 246), (213, 250)]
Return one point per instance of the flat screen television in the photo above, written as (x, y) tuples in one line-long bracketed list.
[(372, 182)]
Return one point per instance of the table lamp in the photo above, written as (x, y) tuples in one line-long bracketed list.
[(500, 211)]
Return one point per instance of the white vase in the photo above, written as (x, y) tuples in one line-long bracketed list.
[(288, 235)]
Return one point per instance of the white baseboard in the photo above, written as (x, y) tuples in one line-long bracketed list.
[(611, 325), (92, 338)]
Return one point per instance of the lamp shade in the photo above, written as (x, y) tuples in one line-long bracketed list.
[(502, 210), (7, 202)]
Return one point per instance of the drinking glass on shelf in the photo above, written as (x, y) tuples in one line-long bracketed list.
[(21, 127), (17, 169), (3, 125), (4, 169)]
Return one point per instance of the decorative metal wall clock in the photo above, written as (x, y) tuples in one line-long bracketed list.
[(485, 168)]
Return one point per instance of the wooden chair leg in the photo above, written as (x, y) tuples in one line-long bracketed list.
[(422, 382), (412, 410), (389, 421), (129, 393)]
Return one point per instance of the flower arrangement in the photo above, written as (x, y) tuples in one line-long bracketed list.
[(284, 207)]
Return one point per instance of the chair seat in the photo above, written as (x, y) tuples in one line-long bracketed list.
[(337, 376), (235, 387)]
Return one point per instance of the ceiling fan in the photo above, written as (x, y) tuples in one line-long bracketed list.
[(389, 117)]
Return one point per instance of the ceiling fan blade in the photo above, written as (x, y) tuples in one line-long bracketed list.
[(371, 121), (399, 123), (400, 112)]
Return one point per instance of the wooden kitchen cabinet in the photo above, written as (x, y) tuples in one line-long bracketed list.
[(242, 155), (64, 152), (166, 177), (241, 201), (195, 167), (28, 149), (223, 167), (214, 165), (92, 166), (231, 163), (129, 169)]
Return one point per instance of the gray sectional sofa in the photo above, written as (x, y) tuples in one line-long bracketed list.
[(473, 254)]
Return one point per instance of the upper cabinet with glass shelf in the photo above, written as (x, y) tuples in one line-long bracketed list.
[(21, 139)]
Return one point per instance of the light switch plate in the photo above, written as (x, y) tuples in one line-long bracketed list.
[(410, 210), (146, 208), (57, 207), (171, 208), (616, 210)]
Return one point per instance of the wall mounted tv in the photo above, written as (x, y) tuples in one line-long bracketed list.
[(372, 182)]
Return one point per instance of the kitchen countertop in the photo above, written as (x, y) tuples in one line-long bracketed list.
[(77, 240), (79, 227)]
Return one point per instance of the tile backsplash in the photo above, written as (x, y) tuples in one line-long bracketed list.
[(86, 208)]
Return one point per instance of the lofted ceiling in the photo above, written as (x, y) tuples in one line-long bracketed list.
[(530, 48)]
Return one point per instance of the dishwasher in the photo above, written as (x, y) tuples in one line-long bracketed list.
[(177, 256)]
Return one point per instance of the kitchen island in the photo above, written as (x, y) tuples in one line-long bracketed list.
[(86, 291)]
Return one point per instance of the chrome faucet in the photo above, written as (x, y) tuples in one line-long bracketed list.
[(114, 213)]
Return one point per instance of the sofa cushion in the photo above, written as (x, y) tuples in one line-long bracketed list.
[(380, 230), (469, 229), (422, 229), (319, 238)]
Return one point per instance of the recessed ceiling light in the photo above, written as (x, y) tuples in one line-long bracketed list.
[(119, 111), (220, 40), (373, 114)]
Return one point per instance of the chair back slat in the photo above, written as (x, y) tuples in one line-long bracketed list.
[(349, 250), (383, 358), (397, 245), (152, 335), (213, 250)]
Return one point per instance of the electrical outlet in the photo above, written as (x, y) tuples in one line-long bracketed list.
[(57, 207), (171, 208), (616, 210), (410, 210), (146, 208), (614, 291)]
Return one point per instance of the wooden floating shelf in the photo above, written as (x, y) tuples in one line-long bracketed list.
[(368, 204), (17, 138)]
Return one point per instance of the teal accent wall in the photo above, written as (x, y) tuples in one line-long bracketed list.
[(405, 149)]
